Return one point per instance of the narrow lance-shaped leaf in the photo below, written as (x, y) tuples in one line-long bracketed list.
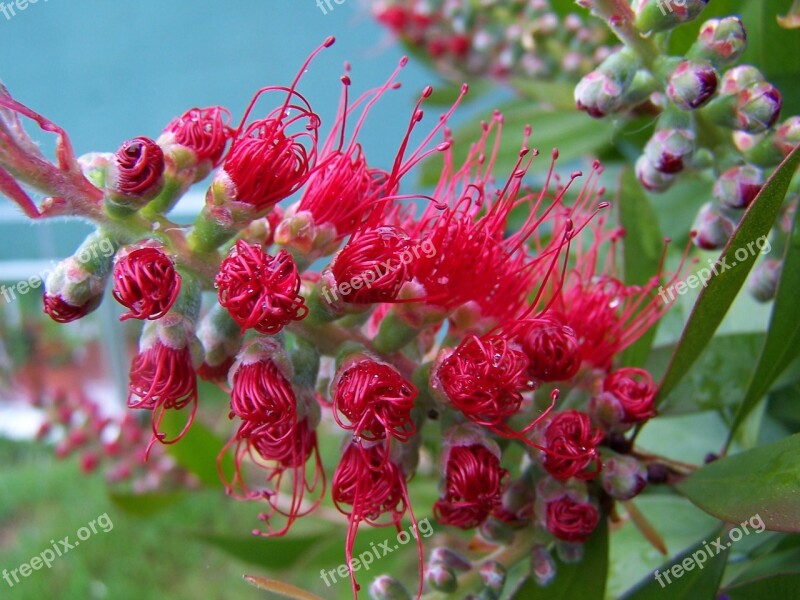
[(642, 247), (732, 268), (782, 345)]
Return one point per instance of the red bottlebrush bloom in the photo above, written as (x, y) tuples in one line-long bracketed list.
[(146, 283), (267, 161), (474, 485), (260, 291), (484, 378), (570, 442), (606, 315), (375, 399), (276, 433), (373, 260), (551, 348), (163, 378), (138, 169), (204, 130), (571, 521), (260, 392), (367, 487), (62, 311), (627, 397)]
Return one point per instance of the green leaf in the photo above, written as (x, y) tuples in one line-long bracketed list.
[(197, 451), (763, 482), (676, 583), (784, 585), (716, 298), (144, 505), (782, 345), (585, 580), (558, 94), (274, 553), (642, 249), (715, 381), (572, 132)]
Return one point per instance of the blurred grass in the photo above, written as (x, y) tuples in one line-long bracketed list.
[(42, 498)]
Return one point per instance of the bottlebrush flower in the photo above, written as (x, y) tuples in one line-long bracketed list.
[(626, 397), (62, 311), (571, 446), (145, 282), (484, 378), (375, 399), (371, 267), (551, 347), (369, 488), (276, 432), (473, 488), (136, 174), (571, 521), (267, 162), (162, 375), (204, 131), (260, 291)]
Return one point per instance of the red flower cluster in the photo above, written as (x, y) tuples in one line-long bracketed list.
[(146, 283)]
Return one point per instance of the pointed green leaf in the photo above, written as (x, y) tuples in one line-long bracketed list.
[(764, 482), (144, 505), (782, 345), (585, 579), (715, 381), (674, 581), (274, 553), (784, 585), (716, 298), (642, 248)]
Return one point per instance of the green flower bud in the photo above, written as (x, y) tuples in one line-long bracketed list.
[(442, 578), (493, 575), (737, 187), (650, 178), (602, 91), (623, 477), (763, 282), (692, 84), (713, 230), (662, 15), (721, 41), (387, 588), (669, 150)]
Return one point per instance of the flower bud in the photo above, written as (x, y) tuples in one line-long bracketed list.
[(669, 150), (204, 131), (449, 559), (739, 79), (623, 477), (763, 282), (662, 15), (493, 575), (722, 41), (601, 92), (75, 287), (221, 338), (136, 175), (543, 566), (387, 588), (737, 187), (569, 553), (494, 530), (787, 136), (441, 578), (712, 228), (652, 179), (758, 108), (634, 390), (692, 84)]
